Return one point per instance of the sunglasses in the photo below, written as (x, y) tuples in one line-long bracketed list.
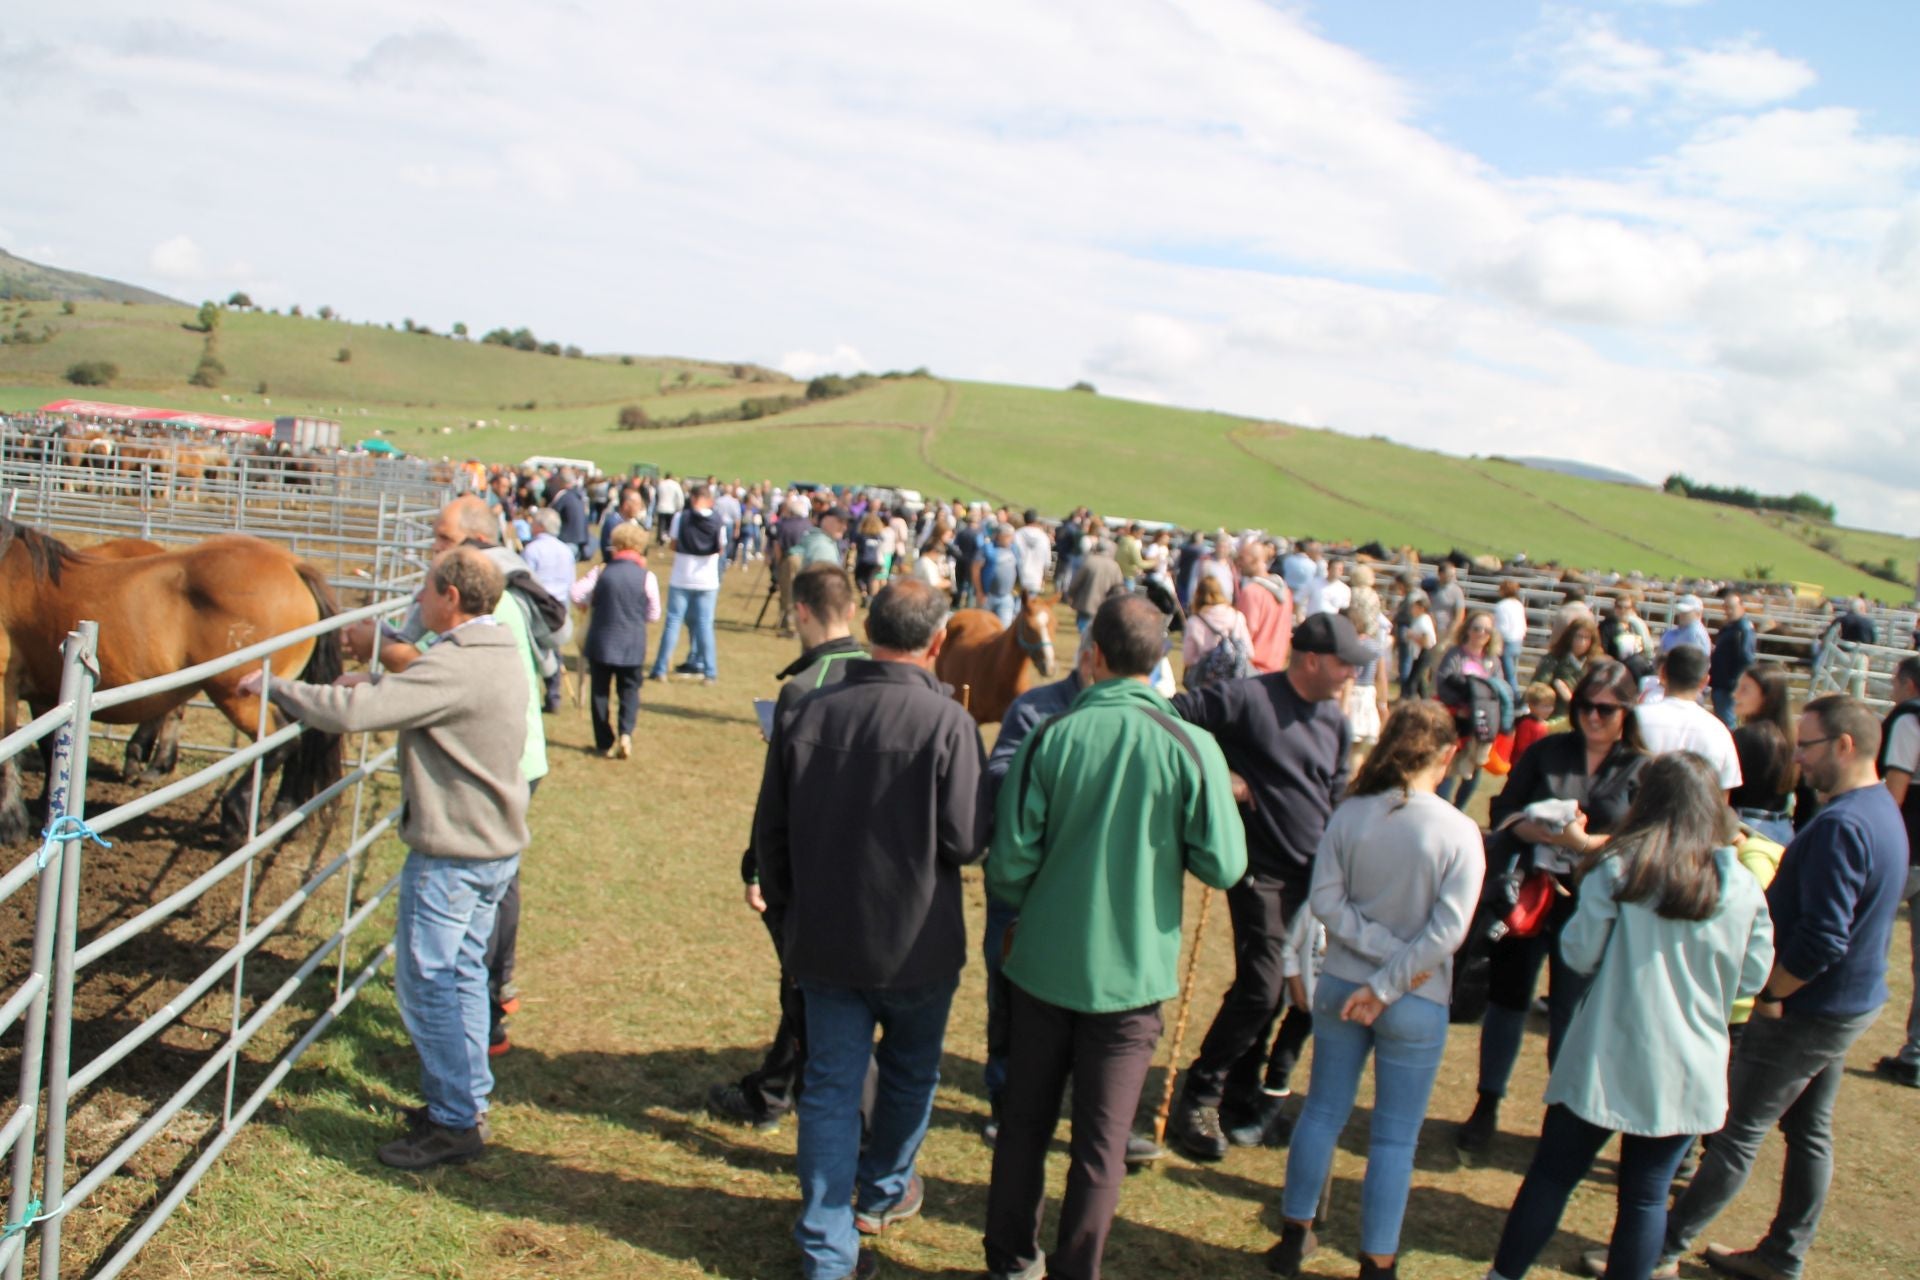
[(1605, 710)]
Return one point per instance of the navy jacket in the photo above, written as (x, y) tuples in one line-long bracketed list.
[(1833, 902), (572, 509), (617, 634), (1735, 650)]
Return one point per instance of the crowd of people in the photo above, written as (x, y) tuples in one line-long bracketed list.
[(1708, 880)]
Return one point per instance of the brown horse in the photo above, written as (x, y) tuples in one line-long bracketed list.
[(997, 664), (159, 613), (153, 749)]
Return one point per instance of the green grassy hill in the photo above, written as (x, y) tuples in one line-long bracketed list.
[(22, 279), (1050, 449)]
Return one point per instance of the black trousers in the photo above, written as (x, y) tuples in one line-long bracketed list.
[(770, 1087), (1107, 1055), (605, 680), (1233, 1057), (1295, 1028), (503, 946)]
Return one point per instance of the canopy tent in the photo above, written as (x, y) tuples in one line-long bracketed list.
[(377, 445), (160, 417)]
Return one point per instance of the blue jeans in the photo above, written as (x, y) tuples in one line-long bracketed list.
[(447, 910), (1064, 572), (1510, 668), (1002, 607), (1407, 1042), (1566, 1150), (1723, 707), (695, 608), (831, 1165)]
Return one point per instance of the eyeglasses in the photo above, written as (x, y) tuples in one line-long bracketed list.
[(1808, 744), (1605, 710)]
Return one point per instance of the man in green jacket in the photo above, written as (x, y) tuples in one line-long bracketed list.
[(1102, 813)]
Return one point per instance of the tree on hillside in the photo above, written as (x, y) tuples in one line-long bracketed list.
[(209, 316), (459, 328), (326, 313), (294, 310), (634, 418), (240, 301), (93, 373), (1084, 385)]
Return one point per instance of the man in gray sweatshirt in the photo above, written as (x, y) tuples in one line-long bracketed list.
[(457, 708)]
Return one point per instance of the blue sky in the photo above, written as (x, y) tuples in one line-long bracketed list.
[(1654, 236)]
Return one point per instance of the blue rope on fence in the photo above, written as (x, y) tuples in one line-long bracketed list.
[(27, 1219), (64, 828)]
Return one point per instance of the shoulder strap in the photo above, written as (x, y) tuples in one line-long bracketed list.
[(1172, 726), (1026, 766)]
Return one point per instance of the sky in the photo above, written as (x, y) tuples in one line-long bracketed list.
[(1657, 235)]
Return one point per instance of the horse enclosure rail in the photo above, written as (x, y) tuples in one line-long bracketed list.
[(71, 1128)]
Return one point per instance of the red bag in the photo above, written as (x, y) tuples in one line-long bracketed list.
[(1533, 903)]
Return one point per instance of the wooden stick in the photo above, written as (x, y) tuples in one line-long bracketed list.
[(966, 697), (1180, 1019)]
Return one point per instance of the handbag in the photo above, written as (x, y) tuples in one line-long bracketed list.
[(1516, 902)]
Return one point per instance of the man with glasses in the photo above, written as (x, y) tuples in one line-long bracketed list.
[(1833, 903), (1677, 722)]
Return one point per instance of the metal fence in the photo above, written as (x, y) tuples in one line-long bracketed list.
[(51, 1083)]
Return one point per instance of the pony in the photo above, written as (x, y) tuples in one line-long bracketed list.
[(153, 749), (997, 664), (158, 613)]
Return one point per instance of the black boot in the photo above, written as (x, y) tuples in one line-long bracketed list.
[(1371, 1270), (1197, 1133), (1479, 1128), (1297, 1244)]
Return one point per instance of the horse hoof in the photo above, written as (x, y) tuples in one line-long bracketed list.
[(15, 828)]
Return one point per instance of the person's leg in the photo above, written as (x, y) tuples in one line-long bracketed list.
[(1778, 1059), (1444, 791), (1468, 785), (840, 1041), (1647, 1166), (701, 618), (1111, 1055), (1000, 918), (1513, 973), (1565, 988), (1295, 1029), (669, 632), (490, 881), (1566, 1150), (628, 681), (436, 905), (1723, 707), (1259, 942), (1339, 1056), (502, 948), (769, 1088), (1510, 668), (1808, 1128), (1910, 1051), (1040, 1059), (600, 682), (1408, 1042), (913, 1030)]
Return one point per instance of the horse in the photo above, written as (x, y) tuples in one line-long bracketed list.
[(159, 613), (153, 749), (997, 663)]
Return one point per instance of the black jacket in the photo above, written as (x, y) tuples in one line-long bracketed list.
[(1555, 768), (1293, 755), (815, 668), (868, 809)]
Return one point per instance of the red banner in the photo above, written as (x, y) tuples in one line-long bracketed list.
[(136, 413)]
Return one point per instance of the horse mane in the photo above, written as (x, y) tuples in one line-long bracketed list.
[(45, 553)]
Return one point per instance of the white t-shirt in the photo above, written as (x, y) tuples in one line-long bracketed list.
[(695, 573), (1903, 748), (1674, 724), (1032, 549), (1510, 620), (669, 497), (1335, 596), (1422, 627)]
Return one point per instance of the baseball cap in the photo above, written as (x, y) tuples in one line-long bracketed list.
[(1331, 633), (1689, 603), (837, 512)]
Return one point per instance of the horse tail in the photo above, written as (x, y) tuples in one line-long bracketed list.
[(317, 757)]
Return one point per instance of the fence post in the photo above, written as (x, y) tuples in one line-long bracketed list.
[(82, 647), (246, 883)]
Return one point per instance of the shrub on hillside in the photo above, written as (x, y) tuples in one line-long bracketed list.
[(209, 371), (93, 373), (1084, 385), (634, 418), (345, 356), (209, 317), (828, 386), (67, 308)]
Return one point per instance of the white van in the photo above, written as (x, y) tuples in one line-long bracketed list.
[(580, 465)]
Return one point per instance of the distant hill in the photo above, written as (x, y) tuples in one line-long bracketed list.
[(20, 279), (1585, 470), (437, 395)]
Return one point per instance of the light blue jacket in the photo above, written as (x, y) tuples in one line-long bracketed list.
[(1646, 1053)]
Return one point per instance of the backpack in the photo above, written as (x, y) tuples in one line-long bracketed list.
[(546, 618), (1227, 660)]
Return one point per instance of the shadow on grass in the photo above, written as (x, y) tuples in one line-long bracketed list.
[(681, 712)]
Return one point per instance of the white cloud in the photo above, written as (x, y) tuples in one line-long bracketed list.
[(844, 358), (1590, 56), (177, 259), (1207, 204)]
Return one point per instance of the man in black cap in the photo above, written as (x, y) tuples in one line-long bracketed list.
[(1287, 743)]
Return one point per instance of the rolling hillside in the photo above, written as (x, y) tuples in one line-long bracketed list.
[(32, 280), (1050, 449)]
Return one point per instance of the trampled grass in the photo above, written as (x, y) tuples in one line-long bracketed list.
[(1050, 449), (646, 979)]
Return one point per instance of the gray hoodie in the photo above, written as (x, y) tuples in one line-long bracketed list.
[(460, 709)]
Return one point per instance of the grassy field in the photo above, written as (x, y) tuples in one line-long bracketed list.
[(1049, 449), (646, 979)]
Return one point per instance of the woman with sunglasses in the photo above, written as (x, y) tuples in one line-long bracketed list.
[(1469, 683), (1597, 765)]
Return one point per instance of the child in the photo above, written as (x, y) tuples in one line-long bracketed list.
[(1532, 727)]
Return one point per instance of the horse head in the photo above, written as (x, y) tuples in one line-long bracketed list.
[(1033, 628)]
